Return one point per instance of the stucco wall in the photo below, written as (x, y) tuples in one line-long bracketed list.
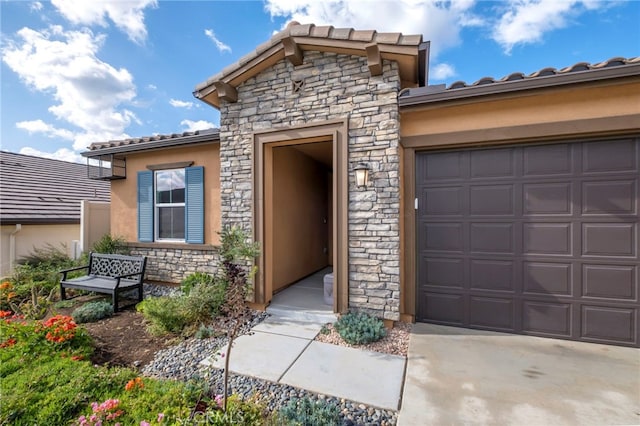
[(124, 217), (36, 236), (335, 87), (96, 222)]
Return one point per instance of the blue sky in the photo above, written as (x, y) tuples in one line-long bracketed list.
[(77, 71)]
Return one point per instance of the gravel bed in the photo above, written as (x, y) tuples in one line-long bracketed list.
[(155, 290), (396, 342), (182, 362)]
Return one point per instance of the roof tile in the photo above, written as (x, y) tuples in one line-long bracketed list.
[(321, 31), (387, 38), (300, 30), (363, 35), (341, 33)]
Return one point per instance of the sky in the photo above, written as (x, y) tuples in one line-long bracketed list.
[(76, 72)]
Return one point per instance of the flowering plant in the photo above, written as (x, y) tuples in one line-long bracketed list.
[(105, 411), (59, 329), (134, 383)]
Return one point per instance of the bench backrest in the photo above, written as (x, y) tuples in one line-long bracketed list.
[(112, 265)]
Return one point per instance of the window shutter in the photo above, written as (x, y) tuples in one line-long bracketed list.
[(194, 205), (145, 206)]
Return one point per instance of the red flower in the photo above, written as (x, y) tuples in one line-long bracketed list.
[(7, 343), (4, 314)]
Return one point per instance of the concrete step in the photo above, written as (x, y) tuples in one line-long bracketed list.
[(303, 315)]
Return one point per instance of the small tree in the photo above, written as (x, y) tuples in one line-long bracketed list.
[(236, 255)]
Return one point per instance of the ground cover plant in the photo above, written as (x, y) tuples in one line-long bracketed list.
[(358, 328)]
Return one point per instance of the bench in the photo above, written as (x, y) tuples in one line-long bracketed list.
[(108, 274)]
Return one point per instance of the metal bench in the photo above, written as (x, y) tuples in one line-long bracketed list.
[(112, 274)]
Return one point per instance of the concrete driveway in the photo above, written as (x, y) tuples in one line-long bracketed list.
[(459, 376)]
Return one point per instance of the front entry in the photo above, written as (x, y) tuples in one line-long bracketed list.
[(300, 209)]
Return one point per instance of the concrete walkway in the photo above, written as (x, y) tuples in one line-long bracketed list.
[(282, 350), (457, 376)]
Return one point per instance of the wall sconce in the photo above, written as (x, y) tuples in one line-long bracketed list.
[(362, 174)]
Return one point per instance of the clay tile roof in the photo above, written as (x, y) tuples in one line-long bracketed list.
[(545, 77), (42, 190), (152, 142), (308, 36)]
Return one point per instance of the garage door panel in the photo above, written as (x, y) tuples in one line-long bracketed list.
[(547, 238), (446, 166), (610, 281), (492, 163), (491, 200), (444, 201), (548, 198), (547, 318), (613, 239), (609, 325), (547, 160), (533, 239), (491, 238), (442, 272), (547, 278), (443, 308), (444, 236), (494, 275), (609, 198), (610, 156), (494, 313)]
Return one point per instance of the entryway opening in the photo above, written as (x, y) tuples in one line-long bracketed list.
[(300, 211), (299, 219)]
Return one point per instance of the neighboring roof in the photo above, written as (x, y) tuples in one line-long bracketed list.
[(42, 190), (547, 77), (296, 38), (152, 142)]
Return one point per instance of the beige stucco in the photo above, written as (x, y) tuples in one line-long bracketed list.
[(35, 236), (124, 207), (451, 122)]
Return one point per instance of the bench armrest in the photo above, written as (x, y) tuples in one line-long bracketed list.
[(119, 277), (77, 268)]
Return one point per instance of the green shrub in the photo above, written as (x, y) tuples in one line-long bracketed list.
[(204, 332), (165, 314), (110, 245), (194, 279), (305, 412), (357, 328), (204, 301), (239, 412), (92, 312)]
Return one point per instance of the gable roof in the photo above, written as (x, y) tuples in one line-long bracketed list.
[(41, 190), (408, 50), (581, 72)]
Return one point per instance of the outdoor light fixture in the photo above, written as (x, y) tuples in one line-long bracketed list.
[(362, 174)]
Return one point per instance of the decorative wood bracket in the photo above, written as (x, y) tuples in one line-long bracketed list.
[(292, 51), (374, 60), (226, 91)]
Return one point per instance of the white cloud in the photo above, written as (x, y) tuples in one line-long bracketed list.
[(441, 72), (127, 15), (527, 21), (63, 154), (440, 22), (192, 126), (152, 87), (36, 6), (39, 126), (90, 93), (220, 45), (181, 104)]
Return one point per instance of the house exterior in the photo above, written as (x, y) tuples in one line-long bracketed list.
[(45, 201), (508, 205)]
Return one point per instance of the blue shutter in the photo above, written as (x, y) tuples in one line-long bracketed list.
[(194, 205), (145, 206)]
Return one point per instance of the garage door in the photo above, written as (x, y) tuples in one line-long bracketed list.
[(536, 239)]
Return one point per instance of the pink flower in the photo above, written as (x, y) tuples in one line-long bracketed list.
[(218, 399), (143, 423), (160, 417)]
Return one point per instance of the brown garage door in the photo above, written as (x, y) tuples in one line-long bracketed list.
[(536, 239)]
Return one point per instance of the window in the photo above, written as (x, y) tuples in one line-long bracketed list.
[(171, 205)]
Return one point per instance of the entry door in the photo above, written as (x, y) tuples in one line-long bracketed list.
[(537, 239)]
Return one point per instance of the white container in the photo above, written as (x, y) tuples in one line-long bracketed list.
[(328, 289)]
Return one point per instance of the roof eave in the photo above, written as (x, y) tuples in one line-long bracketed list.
[(631, 70), (155, 144)]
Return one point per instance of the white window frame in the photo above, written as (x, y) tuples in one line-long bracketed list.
[(157, 206)]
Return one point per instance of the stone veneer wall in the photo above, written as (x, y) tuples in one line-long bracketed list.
[(335, 87), (172, 265)]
